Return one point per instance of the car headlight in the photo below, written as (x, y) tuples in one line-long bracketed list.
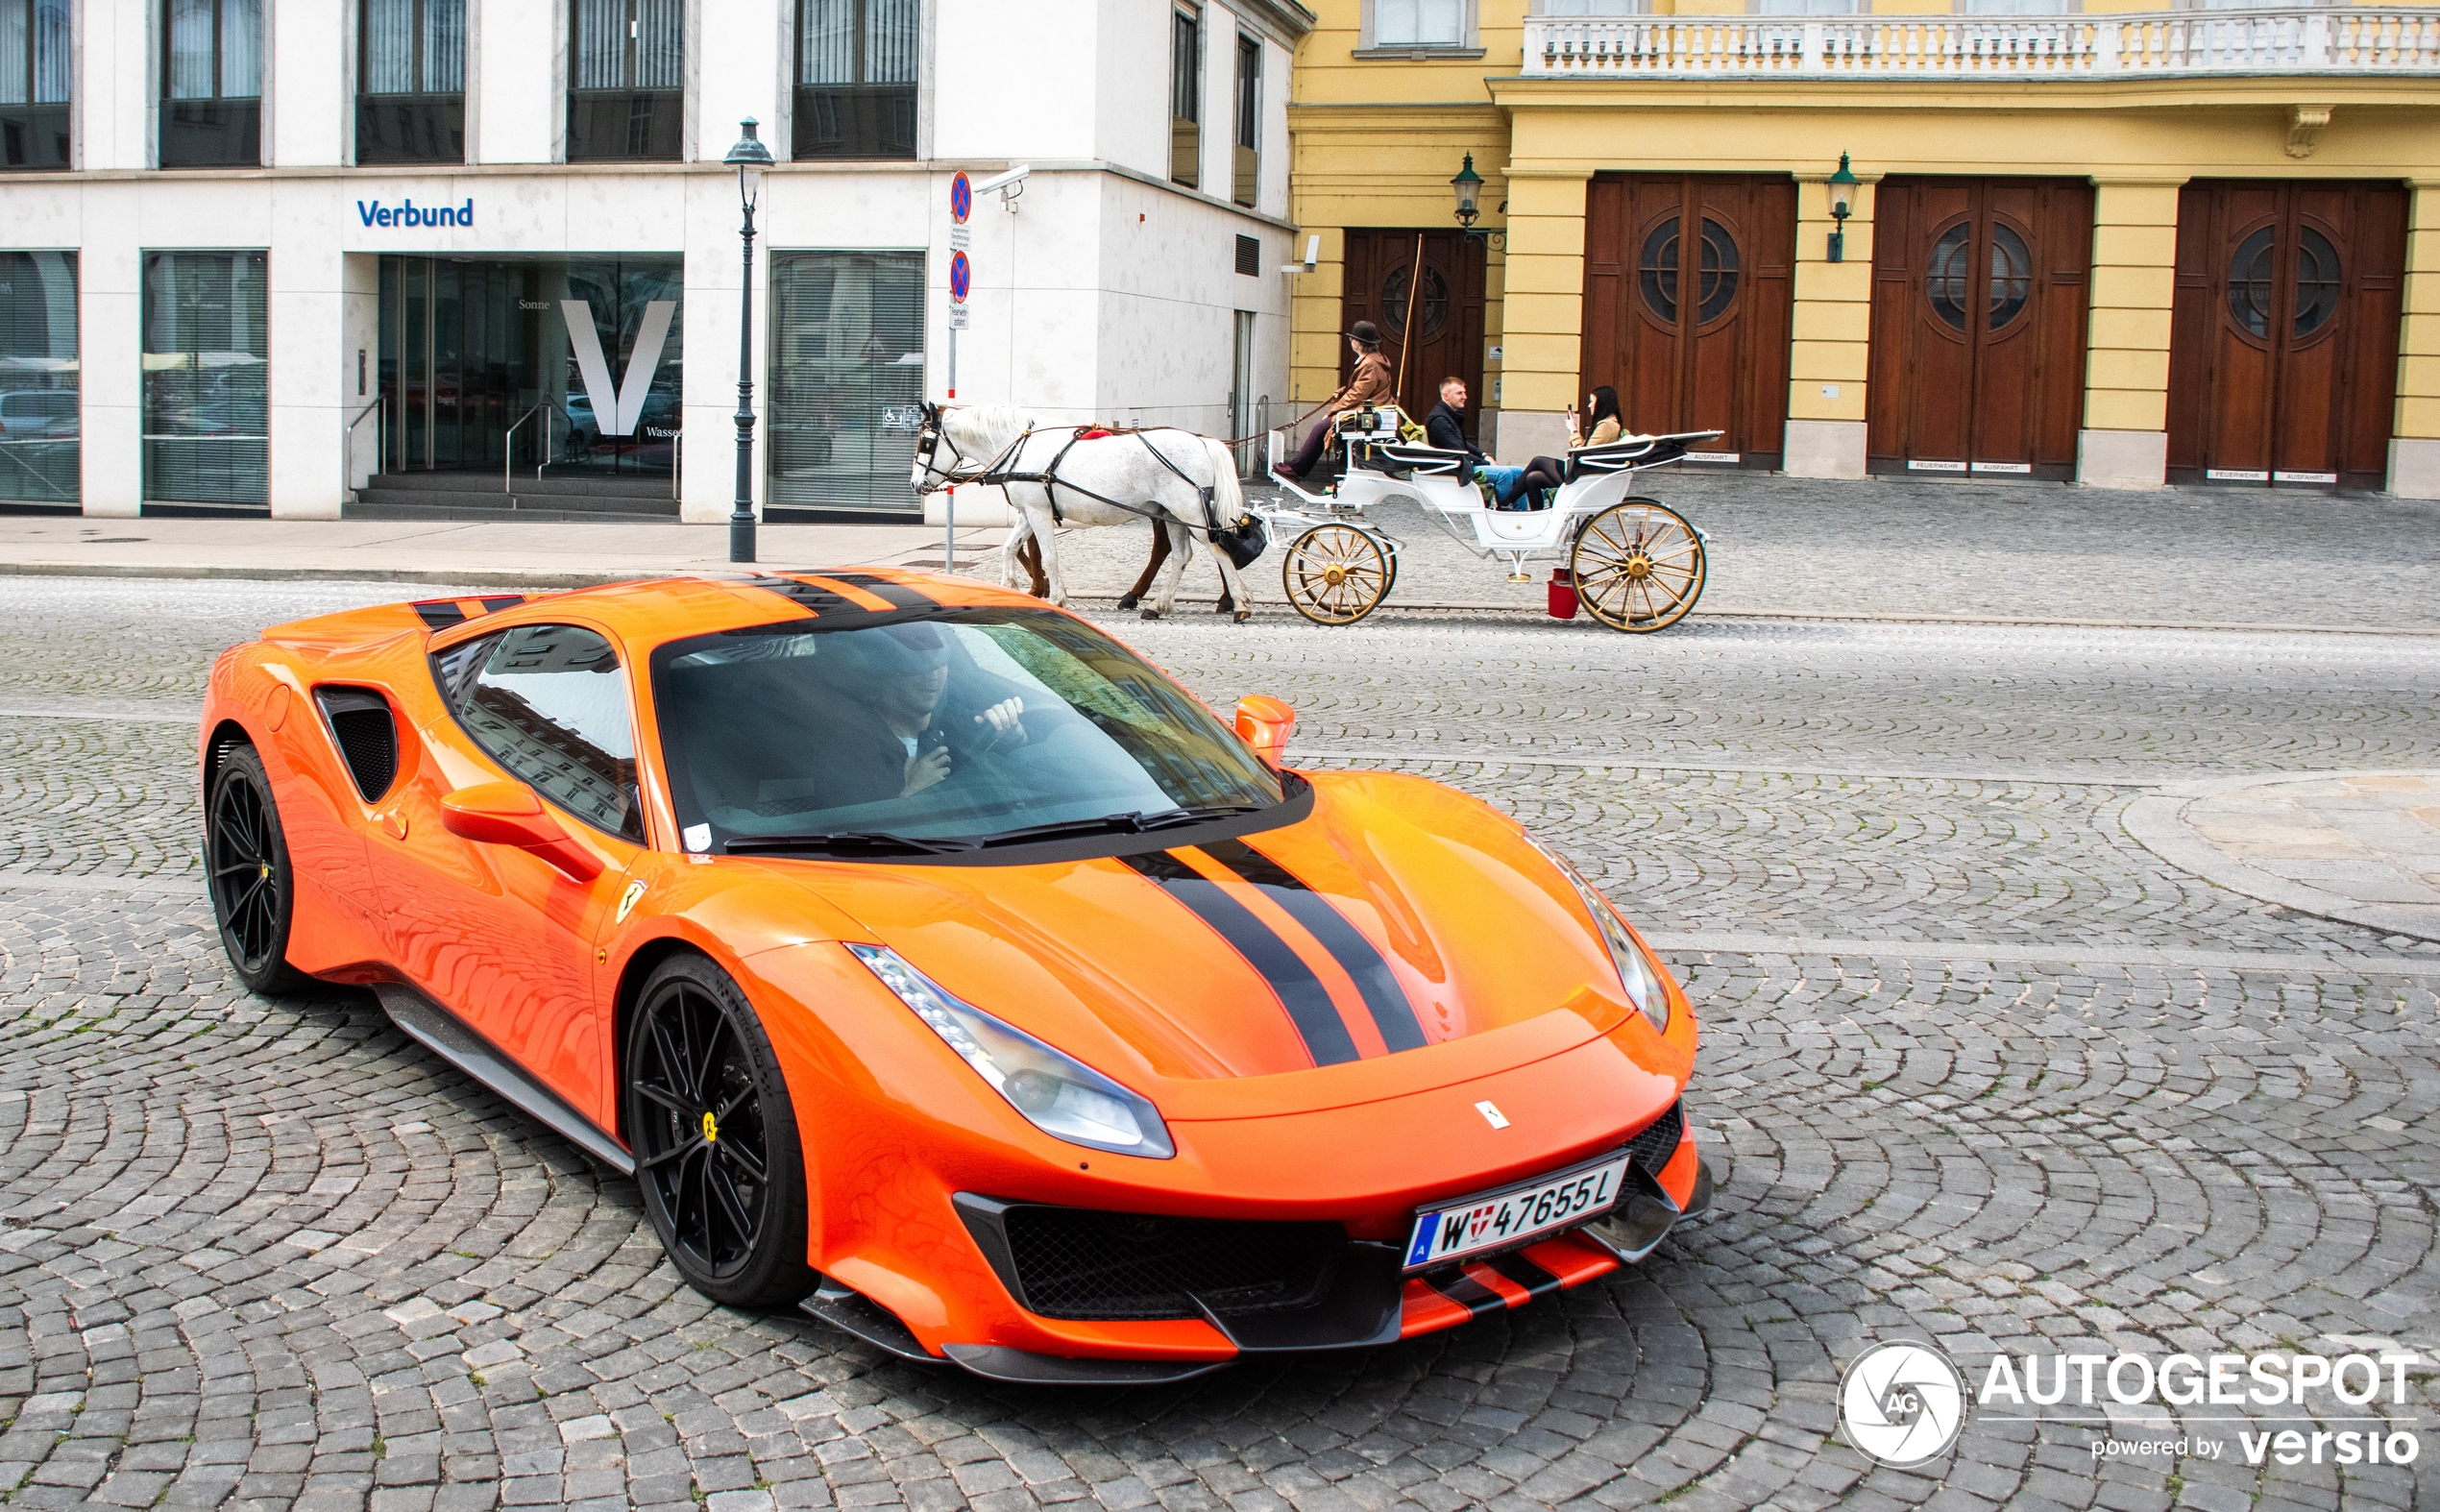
[(1057, 1093), (1641, 979)]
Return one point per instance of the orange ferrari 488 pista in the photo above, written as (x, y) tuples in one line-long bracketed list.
[(931, 961)]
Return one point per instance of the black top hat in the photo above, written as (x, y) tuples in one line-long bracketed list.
[(1365, 331)]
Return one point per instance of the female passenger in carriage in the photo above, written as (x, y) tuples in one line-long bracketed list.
[(1531, 488)]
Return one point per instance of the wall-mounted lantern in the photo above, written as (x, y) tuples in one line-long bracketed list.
[(1841, 206)]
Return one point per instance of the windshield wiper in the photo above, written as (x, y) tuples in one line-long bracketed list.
[(1135, 822), (852, 843)]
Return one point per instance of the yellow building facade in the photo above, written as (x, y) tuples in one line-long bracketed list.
[(2124, 247)]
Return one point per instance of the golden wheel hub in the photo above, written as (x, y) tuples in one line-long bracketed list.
[(1639, 566), (1334, 575), (711, 1129)]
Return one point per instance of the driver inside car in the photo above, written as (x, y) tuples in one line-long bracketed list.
[(893, 726)]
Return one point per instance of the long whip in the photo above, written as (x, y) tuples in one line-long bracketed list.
[(1407, 339)]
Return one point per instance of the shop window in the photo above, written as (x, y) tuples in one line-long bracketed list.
[(211, 84), (846, 379), (410, 103), (1246, 182), (855, 79), (38, 379), (1185, 97), (35, 81), (207, 379), (627, 79)]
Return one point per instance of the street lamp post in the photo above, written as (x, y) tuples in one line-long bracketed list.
[(751, 158)]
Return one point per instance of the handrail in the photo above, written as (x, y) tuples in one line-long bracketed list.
[(2382, 40), (508, 451), (347, 443)]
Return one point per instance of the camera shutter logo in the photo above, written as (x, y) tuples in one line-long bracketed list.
[(1902, 1404)]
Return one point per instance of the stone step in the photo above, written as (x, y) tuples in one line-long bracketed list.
[(377, 505)]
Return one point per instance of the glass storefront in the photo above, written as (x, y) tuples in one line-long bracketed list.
[(38, 429), (846, 379), (568, 365), (207, 379)]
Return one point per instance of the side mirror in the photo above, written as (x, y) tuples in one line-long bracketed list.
[(508, 814), (1264, 725)]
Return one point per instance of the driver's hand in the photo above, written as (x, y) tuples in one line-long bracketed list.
[(1002, 722), (924, 770)]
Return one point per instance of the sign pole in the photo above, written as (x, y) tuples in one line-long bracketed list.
[(960, 205)]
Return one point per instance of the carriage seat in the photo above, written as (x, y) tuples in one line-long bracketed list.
[(1631, 451)]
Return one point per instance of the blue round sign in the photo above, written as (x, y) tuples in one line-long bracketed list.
[(961, 277), (961, 199)]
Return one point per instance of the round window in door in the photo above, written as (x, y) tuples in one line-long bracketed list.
[(2250, 291), (1949, 275), (2317, 282), (1716, 280), (1431, 300), (2012, 275)]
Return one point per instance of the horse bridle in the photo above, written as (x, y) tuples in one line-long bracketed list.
[(960, 469)]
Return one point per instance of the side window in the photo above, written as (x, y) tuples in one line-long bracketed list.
[(548, 702)]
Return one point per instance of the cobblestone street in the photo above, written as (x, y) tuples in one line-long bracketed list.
[(1994, 1072)]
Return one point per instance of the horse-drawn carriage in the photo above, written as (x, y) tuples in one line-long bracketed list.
[(1633, 563)]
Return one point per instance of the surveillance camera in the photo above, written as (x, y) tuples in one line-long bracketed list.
[(1006, 181)]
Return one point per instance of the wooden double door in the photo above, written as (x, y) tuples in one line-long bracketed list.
[(1980, 290), (2284, 334), (1688, 280), (1435, 277)]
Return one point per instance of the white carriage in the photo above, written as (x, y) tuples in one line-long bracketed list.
[(1633, 563)]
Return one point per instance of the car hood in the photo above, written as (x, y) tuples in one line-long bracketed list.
[(1400, 936)]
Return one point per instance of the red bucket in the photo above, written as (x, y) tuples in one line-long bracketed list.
[(1562, 587)]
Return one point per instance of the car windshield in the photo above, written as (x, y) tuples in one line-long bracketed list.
[(944, 730)]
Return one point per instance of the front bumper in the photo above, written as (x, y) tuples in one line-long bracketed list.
[(1363, 1303)]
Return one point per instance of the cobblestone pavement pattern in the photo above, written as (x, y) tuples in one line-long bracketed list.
[(1992, 1074), (2012, 551)]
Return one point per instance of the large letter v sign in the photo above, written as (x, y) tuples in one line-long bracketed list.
[(619, 417)]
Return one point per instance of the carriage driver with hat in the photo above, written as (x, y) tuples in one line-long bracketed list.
[(1371, 385)]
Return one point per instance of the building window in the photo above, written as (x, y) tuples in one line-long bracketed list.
[(1246, 182), (207, 379), (2015, 7), (1185, 97), (846, 378), (34, 83), (626, 88), (410, 103), (1591, 8), (211, 84), (855, 79), (1807, 6), (38, 431), (1419, 23)]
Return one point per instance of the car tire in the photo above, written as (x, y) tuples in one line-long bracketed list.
[(254, 887), (707, 1114)]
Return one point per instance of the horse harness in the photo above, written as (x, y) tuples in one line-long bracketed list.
[(1051, 482)]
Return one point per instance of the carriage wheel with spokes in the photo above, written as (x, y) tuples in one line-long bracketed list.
[(1336, 574), (1638, 566), (253, 888), (715, 1138)]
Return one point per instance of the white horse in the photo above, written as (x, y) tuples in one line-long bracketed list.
[(1185, 484)]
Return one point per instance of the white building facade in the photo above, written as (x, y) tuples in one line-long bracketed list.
[(289, 257)]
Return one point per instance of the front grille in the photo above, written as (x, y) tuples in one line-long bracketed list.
[(1652, 1148), (1073, 1262), (367, 737)]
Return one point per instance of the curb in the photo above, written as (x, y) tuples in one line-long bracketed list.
[(517, 578), (2157, 822)]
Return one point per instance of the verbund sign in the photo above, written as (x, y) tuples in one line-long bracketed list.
[(411, 213)]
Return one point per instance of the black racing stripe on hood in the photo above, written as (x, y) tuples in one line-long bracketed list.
[(1467, 1293), (821, 603), (1537, 1282), (897, 594), (1301, 992), (1392, 1014)]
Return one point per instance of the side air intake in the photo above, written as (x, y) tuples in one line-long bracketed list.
[(367, 735)]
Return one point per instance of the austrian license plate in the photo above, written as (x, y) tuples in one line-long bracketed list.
[(1497, 1220)]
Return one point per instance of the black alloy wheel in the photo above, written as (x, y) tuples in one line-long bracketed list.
[(246, 859), (708, 1116)]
